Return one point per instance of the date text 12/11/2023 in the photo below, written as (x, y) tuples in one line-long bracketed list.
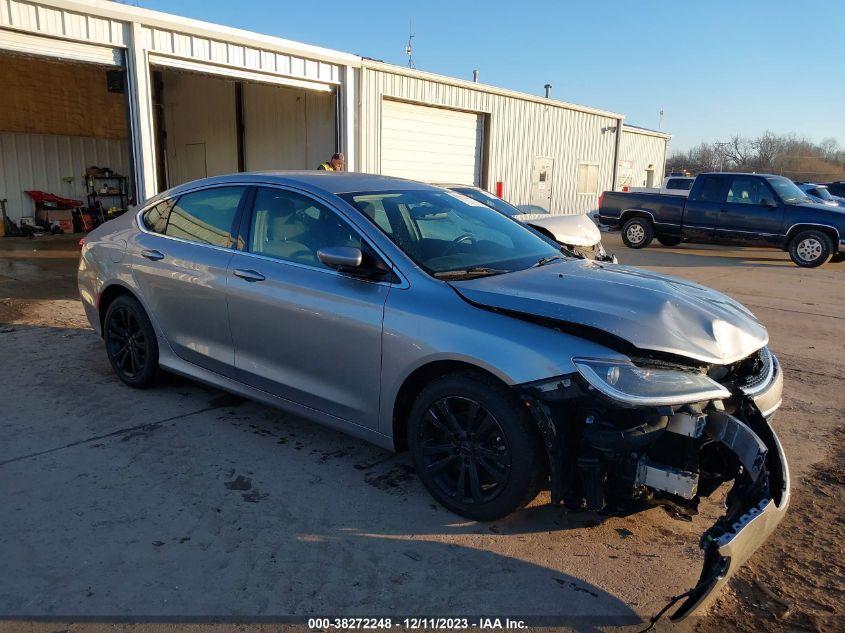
[(416, 623)]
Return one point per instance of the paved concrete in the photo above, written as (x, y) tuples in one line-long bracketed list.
[(183, 502)]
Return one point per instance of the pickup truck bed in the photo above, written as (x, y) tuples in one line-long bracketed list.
[(733, 208)]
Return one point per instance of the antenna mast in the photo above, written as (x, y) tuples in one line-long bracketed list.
[(409, 49)]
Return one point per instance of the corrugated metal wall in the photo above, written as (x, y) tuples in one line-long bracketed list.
[(643, 150), (286, 128), (215, 51), (44, 20), (201, 130), (58, 22), (519, 130), (41, 161)]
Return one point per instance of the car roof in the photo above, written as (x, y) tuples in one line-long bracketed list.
[(315, 181), (739, 173)]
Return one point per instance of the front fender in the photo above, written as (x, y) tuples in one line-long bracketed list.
[(419, 332)]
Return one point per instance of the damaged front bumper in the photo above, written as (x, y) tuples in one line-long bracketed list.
[(760, 499), (598, 453)]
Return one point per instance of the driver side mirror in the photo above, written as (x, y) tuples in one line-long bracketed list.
[(769, 202), (351, 260), (341, 256)]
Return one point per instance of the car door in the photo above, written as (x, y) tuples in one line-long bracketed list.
[(180, 262), (302, 330), (748, 215), (702, 208)]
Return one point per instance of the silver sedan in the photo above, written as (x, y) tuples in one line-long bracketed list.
[(420, 319)]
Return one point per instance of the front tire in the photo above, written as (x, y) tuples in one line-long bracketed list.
[(810, 249), (473, 447), (637, 233), (670, 241), (131, 343)]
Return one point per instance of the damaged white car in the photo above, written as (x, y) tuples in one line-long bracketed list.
[(574, 231)]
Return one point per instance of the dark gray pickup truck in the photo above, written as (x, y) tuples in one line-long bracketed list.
[(732, 208)]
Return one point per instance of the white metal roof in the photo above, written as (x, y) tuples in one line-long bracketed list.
[(158, 19), (635, 129), (471, 85)]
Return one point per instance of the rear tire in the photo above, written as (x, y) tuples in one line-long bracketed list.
[(637, 233), (810, 249), (473, 447), (131, 343), (669, 241)]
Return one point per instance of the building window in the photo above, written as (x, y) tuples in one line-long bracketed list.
[(588, 179)]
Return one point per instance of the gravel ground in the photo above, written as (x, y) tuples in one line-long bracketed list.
[(184, 503)]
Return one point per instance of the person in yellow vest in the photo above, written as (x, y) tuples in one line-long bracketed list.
[(335, 163)]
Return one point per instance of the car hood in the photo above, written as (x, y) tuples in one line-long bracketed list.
[(822, 206), (574, 230), (653, 312)]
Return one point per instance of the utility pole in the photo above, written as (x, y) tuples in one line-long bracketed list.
[(660, 120)]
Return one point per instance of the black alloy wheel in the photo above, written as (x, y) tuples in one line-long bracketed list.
[(464, 450), (130, 342), (474, 447)]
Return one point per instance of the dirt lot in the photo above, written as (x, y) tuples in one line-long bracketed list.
[(185, 504)]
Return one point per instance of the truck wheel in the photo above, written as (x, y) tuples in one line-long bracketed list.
[(637, 233), (810, 249), (670, 241), (474, 448)]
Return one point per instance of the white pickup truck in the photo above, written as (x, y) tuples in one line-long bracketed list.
[(672, 185)]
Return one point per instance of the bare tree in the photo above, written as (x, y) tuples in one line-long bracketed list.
[(788, 154)]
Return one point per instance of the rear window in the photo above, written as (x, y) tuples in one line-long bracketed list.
[(205, 216), (679, 183), (711, 189)]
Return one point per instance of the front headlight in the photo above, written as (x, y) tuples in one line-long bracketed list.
[(640, 386)]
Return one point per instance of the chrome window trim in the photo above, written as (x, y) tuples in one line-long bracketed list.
[(401, 284), (139, 221)]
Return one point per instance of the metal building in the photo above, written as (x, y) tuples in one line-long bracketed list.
[(158, 98), (163, 99), (428, 127), (642, 157)]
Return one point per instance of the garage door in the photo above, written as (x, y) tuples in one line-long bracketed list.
[(431, 144)]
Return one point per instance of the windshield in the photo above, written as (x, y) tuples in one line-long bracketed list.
[(787, 190), (450, 235), (822, 192), (489, 199)]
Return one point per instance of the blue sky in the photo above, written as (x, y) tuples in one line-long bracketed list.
[(716, 68)]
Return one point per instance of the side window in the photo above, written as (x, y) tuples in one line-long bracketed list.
[(746, 190), (155, 218), (711, 190), (679, 183), (293, 227), (206, 216)]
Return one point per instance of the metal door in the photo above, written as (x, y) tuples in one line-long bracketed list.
[(541, 182)]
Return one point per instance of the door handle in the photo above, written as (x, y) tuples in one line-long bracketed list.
[(723, 210), (248, 275), (152, 254)]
